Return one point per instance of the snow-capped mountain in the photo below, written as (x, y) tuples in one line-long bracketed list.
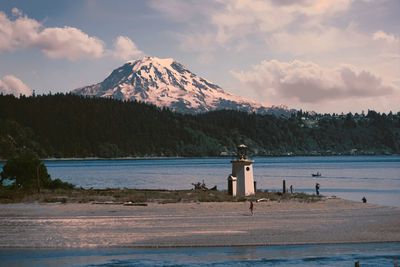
[(167, 83)]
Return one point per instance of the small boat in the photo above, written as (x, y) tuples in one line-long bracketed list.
[(316, 174)]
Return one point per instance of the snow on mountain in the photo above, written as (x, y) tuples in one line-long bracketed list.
[(167, 83)]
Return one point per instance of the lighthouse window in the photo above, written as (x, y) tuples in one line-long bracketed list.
[(247, 168)]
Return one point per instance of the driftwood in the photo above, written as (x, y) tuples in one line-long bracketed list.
[(202, 186), (134, 204)]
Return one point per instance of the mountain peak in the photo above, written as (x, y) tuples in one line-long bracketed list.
[(167, 83), (155, 60)]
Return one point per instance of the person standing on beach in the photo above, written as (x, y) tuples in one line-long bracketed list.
[(317, 188), (291, 189), (251, 207)]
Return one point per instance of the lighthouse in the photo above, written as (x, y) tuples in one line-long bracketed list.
[(241, 181)]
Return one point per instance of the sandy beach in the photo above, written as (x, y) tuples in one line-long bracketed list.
[(196, 224)]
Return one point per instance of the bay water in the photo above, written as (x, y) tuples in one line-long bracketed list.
[(337, 255), (349, 177)]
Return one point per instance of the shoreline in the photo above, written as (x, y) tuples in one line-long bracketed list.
[(51, 159), (208, 224), (221, 157)]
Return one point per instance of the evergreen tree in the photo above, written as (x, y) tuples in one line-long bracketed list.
[(65, 125)]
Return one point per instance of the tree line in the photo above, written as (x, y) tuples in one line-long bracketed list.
[(66, 125)]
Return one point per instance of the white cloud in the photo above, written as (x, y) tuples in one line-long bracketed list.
[(317, 41), (330, 45), (68, 42), (389, 38), (323, 39), (321, 7), (10, 84), (18, 33), (240, 18), (126, 49), (233, 21), (307, 82)]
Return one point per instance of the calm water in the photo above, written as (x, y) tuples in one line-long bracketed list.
[(374, 254), (351, 177)]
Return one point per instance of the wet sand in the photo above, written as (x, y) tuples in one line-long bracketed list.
[(196, 224)]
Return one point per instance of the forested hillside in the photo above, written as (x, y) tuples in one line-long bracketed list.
[(73, 126)]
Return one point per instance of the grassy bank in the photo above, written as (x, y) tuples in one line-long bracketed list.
[(140, 196)]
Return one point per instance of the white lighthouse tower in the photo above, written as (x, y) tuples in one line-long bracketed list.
[(241, 181)]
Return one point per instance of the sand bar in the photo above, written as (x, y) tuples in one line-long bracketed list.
[(196, 224)]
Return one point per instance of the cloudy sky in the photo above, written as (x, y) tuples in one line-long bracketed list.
[(322, 55)]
